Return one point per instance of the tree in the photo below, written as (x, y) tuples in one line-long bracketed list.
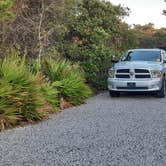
[(93, 35), (149, 37), (39, 25), (83, 31), (6, 15)]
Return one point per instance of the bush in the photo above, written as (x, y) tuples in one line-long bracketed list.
[(68, 79), (96, 66), (20, 95), (49, 93), (27, 97)]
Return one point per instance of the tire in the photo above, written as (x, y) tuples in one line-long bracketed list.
[(114, 94), (162, 92)]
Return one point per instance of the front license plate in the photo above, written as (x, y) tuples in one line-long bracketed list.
[(131, 84)]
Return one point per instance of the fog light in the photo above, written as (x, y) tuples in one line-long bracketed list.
[(154, 86)]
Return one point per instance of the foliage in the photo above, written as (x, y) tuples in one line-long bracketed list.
[(149, 37), (49, 93), (68, 79), (38, 25), (93, 39), (19, 92), (82, 31), (5, 10), (27, 97)]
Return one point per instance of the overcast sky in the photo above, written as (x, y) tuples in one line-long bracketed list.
[(144, 11)]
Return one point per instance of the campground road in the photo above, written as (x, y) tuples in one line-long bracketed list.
[(125, 131)]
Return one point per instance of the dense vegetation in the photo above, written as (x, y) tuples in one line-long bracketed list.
[(150, 37), (82, 31), (28, 92), (51, 49)]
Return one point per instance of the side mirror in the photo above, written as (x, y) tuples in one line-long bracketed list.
[(114, 60)]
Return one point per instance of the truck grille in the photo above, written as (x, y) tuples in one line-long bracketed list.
[(142, 76), (123, 71), (141, 71), (122, 76), (133, 73)]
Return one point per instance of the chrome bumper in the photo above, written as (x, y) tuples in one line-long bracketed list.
[(147, 85)]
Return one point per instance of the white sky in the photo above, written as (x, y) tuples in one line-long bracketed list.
[(144, 11)]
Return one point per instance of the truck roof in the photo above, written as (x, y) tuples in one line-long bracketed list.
[(146, 49), (162, 47)]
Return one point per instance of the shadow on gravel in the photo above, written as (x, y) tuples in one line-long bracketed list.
[(138, 95)]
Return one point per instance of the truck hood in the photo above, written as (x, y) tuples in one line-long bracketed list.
[(138, 64)]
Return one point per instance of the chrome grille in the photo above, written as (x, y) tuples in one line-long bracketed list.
[(143, 76), (133, 73), (141, 71), (123, 71), (122, 76)]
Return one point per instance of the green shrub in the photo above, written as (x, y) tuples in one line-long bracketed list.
[(68, 79), (73, 88), (24, 96), (58, 69), (94, 60), (50, 95), (19, 92), (34, 66)]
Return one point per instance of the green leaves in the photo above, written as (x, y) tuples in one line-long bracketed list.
[(68, 79), (95, 35), (5, 10), (87, 32), (19, 92), (50, 94)]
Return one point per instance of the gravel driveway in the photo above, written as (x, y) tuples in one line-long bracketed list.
[(125, 131)]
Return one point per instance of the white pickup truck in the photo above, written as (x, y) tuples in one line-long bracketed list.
[(139, 70)]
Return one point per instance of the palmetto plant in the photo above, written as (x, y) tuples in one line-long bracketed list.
[(19, 92), (68, 79), (23, 93), (49, 93)]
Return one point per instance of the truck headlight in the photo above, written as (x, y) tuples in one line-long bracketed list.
[(111, 73), (157, 74)]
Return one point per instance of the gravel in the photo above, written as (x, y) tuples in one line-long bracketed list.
[(125, 131)]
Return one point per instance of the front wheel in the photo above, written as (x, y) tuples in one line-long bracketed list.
[(162, 92), (114, 94)]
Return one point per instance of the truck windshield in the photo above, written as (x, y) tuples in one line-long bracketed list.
[(142, 56)]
